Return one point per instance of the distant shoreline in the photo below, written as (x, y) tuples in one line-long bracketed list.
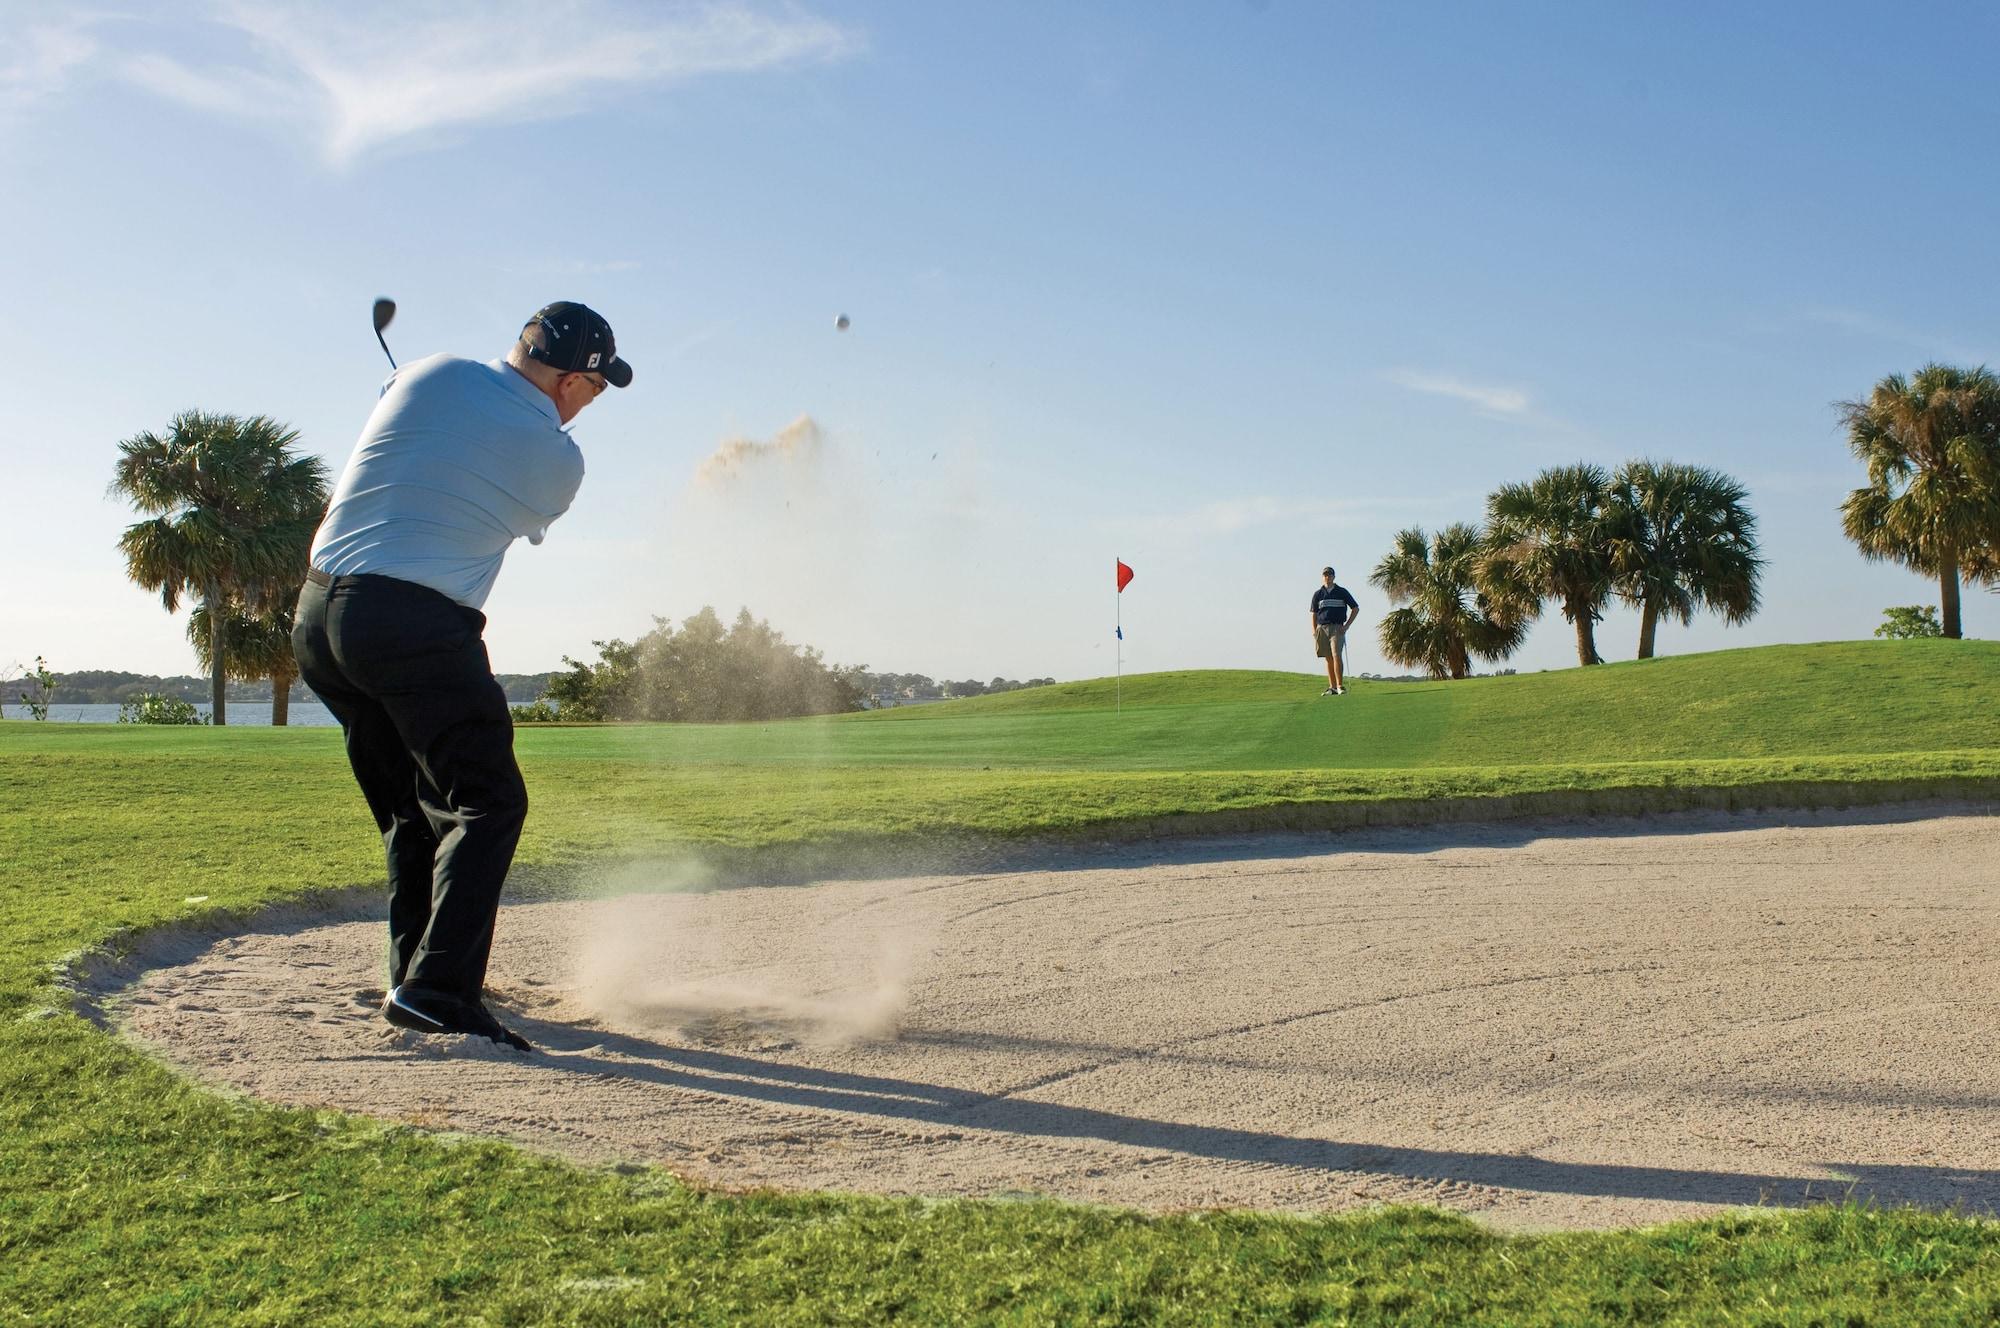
[(109, 687), (303, 713)]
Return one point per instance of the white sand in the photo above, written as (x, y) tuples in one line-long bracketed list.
[(1543, 1024)]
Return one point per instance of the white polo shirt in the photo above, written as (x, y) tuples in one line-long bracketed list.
[(458, 460)]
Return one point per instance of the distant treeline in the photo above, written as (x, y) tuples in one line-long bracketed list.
[(109, 687), (701, 670), (891, 689), (748, 678)]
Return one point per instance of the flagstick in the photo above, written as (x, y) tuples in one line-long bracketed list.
[(1118, 686)]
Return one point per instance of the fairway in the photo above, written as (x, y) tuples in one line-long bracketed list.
[(1543, 1025)]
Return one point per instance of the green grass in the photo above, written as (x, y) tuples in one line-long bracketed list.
[(128, 1196), (1850, 698)]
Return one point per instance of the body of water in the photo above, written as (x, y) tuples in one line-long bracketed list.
[(304, 714)]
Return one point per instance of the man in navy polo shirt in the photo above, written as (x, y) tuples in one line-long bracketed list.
[(458, 460), (1332, 614)]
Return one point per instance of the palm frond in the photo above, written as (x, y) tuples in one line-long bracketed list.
[(255, 645), (1444, 619), (1931, 446), (234, 510), (1683, 538)]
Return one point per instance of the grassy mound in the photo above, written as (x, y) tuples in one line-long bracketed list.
[(1850, 696)]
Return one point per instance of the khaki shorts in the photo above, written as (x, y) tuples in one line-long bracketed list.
[(1326, 640)]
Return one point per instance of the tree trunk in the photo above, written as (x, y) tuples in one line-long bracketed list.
[(1586, 640), (1948, 599), (281, 699), (218, 714), (1649, 621)]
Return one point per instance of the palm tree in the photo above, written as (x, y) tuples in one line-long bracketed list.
[(1549, 539), (1445, 620), (258, 645), (259, 631), (227, 502), (1932, 447), (1682, 539), (1983, 565)]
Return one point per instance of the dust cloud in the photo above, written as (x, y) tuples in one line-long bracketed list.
[(663, 961), (794, 451), (858, 547)]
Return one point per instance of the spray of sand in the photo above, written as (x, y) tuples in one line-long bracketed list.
[(656, 960), (788, 526), (793, 450), (868, 549)]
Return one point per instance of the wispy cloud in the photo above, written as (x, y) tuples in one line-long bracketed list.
[(1882, 329), (1230, 516), (220, 89), (38, 61), (1505, 401), (360, 78)]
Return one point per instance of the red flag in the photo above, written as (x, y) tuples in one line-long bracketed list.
[(1124, 575)]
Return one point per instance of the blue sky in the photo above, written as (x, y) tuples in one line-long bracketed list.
[(1228, 290)]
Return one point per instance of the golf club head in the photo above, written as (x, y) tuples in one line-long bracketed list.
[(385, 309)]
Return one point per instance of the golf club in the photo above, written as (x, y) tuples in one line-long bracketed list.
[(385, 311)]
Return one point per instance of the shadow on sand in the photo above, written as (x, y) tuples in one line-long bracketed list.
[(913, 1102)]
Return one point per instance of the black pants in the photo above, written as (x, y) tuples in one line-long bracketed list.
[(431, 741)]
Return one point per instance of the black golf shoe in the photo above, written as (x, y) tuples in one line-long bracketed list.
[(481, 1023), (423, 1010)]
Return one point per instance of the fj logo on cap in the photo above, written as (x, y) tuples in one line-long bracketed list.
[(595, 356)]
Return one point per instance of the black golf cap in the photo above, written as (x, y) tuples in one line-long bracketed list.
[(576, 339), (1326, 571)]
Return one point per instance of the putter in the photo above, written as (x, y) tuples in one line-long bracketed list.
[(385, 311)]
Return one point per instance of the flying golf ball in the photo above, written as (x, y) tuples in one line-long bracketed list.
[(840, 323)]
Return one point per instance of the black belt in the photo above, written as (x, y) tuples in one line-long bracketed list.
[(390, 584)]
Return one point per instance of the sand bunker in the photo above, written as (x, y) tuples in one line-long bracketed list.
[(1543, 1024)]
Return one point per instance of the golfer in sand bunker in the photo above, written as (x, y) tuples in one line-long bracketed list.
[(457, 461)]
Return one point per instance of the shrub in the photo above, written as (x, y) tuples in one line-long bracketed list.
[(153, 708), (37, 701), (1909, 621), (703, 672)]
